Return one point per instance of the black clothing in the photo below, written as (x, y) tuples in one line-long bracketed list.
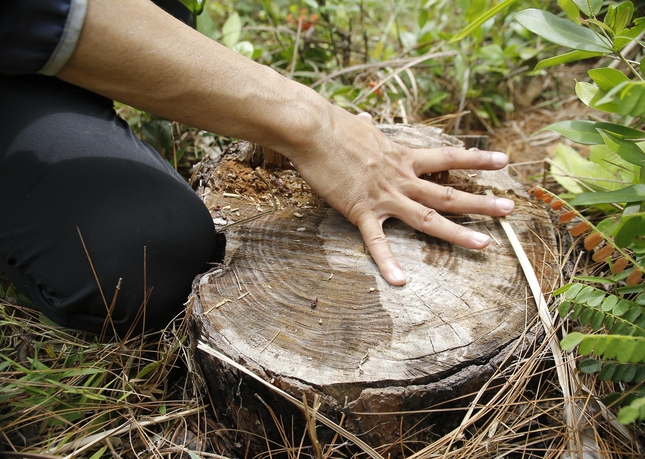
[(71, 169)]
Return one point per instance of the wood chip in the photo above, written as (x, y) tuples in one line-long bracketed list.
[(221, 303)]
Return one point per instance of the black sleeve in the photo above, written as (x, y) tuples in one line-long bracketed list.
[(38, 36)]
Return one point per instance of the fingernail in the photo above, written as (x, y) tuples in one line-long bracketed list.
[(499, 159), (505, 205), (398, 276), (480, 239)]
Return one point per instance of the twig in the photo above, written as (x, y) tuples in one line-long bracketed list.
[(269, 343)]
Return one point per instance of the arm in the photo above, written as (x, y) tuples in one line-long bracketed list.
[(132, 51)]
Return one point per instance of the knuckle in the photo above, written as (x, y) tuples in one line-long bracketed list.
[(450, 154), (449, 194), (428, 217), (376, 240)]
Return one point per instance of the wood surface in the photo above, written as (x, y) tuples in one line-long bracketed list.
[(300, 302)]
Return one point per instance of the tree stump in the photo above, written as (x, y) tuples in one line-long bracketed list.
[(300, 302)]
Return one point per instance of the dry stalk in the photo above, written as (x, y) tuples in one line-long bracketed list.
[(310, 416)]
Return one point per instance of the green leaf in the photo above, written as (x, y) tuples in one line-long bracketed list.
[(627, 415), (583, 5), (586, 132), (585, 294), (639, 353), (596, 298), (245, 48), (195, 6), (624, 373), (592, 279), (640, 374), (561, 31), (207, 26), (99, 453), (592, 96), (609, 303), (566, 287), (571, 340), (145, 371), (566, 58), (632, 314), (629, 290), (597, 320), (422, 18), (589, 366), (586, 316), (573, 291), (570, 164), (607, 78), (607, 372), (600, 345), (232, 30), (631, 227), (639, 107), (629, 98), (621, 308), (626, 350), (626, 36), (587, 345), (622, 16), (618, 328), (564, 308), (633, 193), (470, 28), (570, 9), (613, 346), (626, 149)]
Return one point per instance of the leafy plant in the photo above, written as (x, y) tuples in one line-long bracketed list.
[(610, 183)]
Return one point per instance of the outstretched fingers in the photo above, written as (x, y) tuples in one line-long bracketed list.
[(423, 219)]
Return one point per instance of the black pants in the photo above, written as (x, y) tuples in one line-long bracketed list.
[(84, 205)]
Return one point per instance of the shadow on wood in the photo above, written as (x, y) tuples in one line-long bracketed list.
[(300, 303)]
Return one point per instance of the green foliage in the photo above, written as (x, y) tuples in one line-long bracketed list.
[(610, 181), (70, 386), (482, 50)]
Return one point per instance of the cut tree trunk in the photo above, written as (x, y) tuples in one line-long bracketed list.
[(300, 302)]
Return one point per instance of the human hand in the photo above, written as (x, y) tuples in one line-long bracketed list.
[(368, 178)]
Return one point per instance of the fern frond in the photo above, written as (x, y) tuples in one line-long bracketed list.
[(595, 237)]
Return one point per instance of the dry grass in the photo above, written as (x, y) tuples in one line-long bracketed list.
[(66, 395)]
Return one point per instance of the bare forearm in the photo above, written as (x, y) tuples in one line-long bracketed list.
[(132, 51)]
